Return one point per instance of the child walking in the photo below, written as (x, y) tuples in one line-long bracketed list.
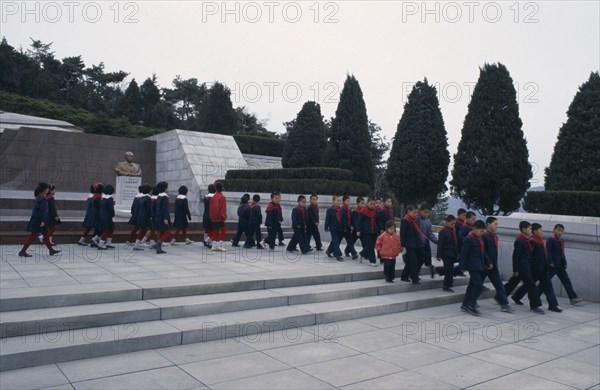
[(53, 218), (163, 216), (89, 221), (474, 260), (182, 216), (107, 213), (38, 221), (218, 216), (388, 246)]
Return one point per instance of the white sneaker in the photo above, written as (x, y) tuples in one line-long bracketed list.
[(373, 265), (188, 241), (173, 242)]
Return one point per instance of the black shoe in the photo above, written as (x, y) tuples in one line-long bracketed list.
[(54, 251), (463, 308), (354, 257), (432, 271), (497, 301), (82, 244), (259, 246), (404, 280), (416, 283), (235, 245), (24, 254), (320, 249), (94, 245), (110, 246), (329, 255), (484, 288), (389, 280), (473, 311), (281, 243), (160, 252), (339, 258), (517, 301), (555, 309), (448, 289)]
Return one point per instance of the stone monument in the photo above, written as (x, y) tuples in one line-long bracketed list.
[(129, 178)]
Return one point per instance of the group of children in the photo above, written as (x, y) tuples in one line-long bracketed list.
[(463, 243)]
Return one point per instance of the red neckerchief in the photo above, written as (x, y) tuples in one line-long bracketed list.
[(253, 204), (453, 232), (390, 213), (367, 212), (541, 243), (271, 206), (302, 212), (413, 221), (526, 241), (460, 222), (96, 196), (479, 240), (347, 209), (337, 212), (561, 242), (495, 237)]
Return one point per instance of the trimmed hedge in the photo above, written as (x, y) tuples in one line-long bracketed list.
[(263, 146), (580, 203), (333, 174), (298, 186)]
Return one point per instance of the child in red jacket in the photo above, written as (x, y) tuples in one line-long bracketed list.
[(218, 216), (389, 247)]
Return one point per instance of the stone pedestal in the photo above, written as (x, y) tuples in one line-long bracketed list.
[(125, 191)]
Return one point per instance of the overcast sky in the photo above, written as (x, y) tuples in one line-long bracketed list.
[(277, 55)]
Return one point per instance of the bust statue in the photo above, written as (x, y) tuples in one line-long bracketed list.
[(128, 167)]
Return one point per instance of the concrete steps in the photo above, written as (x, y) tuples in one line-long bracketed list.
[(76, 322)]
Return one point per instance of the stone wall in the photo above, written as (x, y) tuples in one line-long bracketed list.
[(69, 160)]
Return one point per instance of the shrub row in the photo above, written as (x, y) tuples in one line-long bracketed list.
[(264, 146), (580, 203), (296, 186), (334, 174)]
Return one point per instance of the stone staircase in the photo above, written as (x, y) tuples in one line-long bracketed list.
[(56, 324)]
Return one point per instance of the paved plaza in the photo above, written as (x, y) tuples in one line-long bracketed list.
[(435, 347)]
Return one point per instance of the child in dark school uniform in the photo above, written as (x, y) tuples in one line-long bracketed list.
[(243, 213), (107, 213), (389, 247), (447, 252), (273, 219), (312, 229), (53, 218), (557, 262), (333, 224), (89, 221), (368, 231), (182, 216), (38, 221), (135, 206), (144, 221), (473, 259), (163, 216), (255, 219), (347, 228), (299, 219)]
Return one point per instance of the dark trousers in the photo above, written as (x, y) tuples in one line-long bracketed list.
[(241, 229), (279, 234), (368, 242), (544, 286), (529, 283), (413, 259), (299, 238), (474, 288), (389, 269), (426, 255), (253, 235), (494, 276), (449, 271), (565, 280), (271, 236), (347, 235), (313, 231), (334, 245), (354, 238)]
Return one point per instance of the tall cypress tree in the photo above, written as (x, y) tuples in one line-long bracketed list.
[(217, 115), (418, 163), (350, 145), (305, 141), (575, 163), (491, 169)]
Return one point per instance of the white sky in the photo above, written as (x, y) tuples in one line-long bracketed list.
[(274, 59)]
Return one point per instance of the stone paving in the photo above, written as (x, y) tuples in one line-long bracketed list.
[(438, 347)]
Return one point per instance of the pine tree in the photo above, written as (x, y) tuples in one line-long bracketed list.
[(418, 164), (491, 170), (305, 141), (216, 114), (130, 104), (349, 146), (575, 163)]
